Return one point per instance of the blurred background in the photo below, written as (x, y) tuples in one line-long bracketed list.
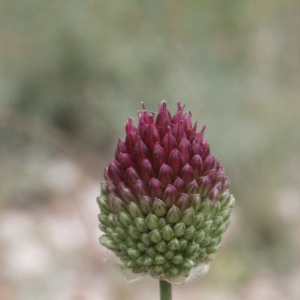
[(71, 72)]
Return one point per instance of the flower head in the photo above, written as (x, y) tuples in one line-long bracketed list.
[(165, 201)]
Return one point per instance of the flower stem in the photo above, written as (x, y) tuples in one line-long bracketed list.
[(165, 290)]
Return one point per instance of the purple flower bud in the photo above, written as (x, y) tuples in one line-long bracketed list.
[(165, 175), (214, 194), (114, 172), (168, 143), (155, 188), (140, 149), (183, 202), (170, 195), (159, 157), (193, 187), (178, 130), (204, 185), (179, 185), (146, 170), (121, 147), (197, 165), (131, 176), (208, 164), (179, 116), (125, 193), (184, 148), (139, 188), (105, 174), (126, 161), (205, 150), (153, 136), (226, 182), (163, 119), (115, 203), (130, 136), (175, 161), (159, 207), (146, 204), (187, 174), (190, 130)]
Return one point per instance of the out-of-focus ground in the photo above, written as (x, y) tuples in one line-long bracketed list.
[(71, 72)]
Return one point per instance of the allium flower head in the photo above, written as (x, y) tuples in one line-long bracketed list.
[(165, 201)]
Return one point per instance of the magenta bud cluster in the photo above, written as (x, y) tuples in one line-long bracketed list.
[(166, 192), (164, 157)]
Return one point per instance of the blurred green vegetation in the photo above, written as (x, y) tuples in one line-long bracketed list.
[(71, 72)]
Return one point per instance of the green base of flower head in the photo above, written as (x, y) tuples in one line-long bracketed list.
[(165, 242)]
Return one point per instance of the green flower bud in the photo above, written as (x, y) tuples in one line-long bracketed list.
[(139, 269), (173, 244), (145, 238), (179, 229), (169, 254), (156, 270), (141, 260), (152, 222), (155, 236), (140, 224), (148, 260), (134, 210), (130, 242), (151, 252), (116, 238), (225, 213), (159, 208), (195, 202), (159, 259), (192, 248), (177, 259), (103, 219), (182, 244), (217, 221), (108, 242), (134, 252), (162, 223), (161, 247), (111, 219), (199, 218), (213, 249), (199, 236), (204, 207), (102, 227), (104, 206), (110, 231), (190, 232), (134, 232), (121, 232), (125, 219), (167, 233), (173, 215), (207, 226), (216, 209), (142, 247), (116, 204), (146, 205), (188, 263), (130, 263), (188, 216)]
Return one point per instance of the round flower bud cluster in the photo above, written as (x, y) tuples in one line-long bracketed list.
[(165, 201)]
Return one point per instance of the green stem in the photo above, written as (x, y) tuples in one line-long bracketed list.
[(165, 290)]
